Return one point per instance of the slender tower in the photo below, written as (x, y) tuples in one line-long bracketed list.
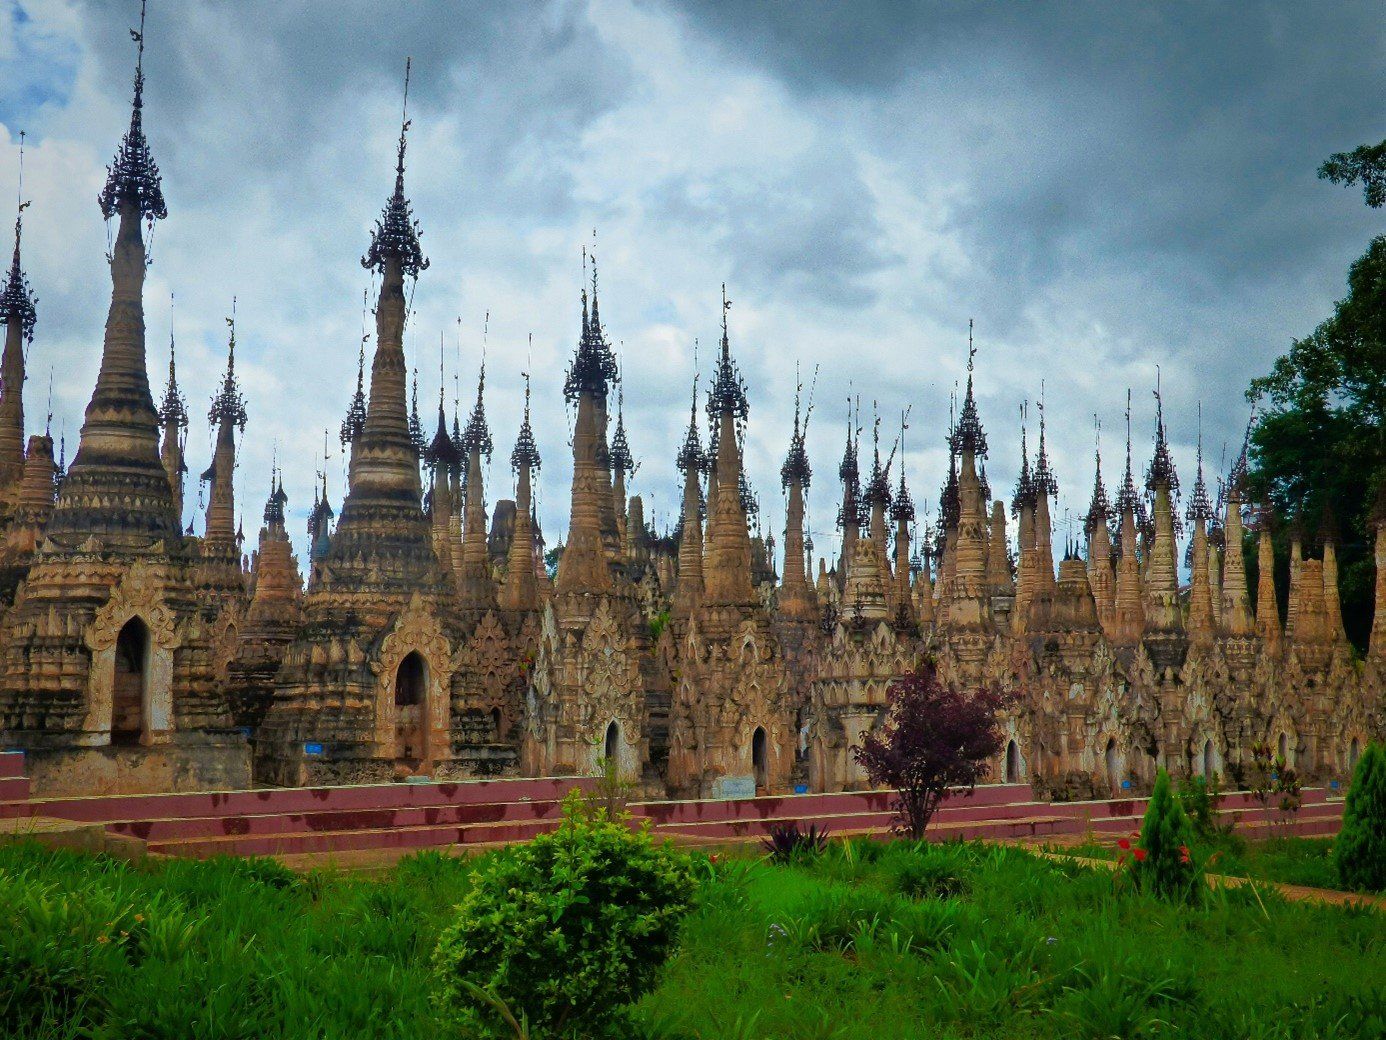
[(1098, 518), (688, 593), (1202, 626), (521, 590), (797, 600), (18, 313), (118, 459), (228, 415), (477, 591)]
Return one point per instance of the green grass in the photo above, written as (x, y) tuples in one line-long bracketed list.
[(867, 941), (1290, 860)]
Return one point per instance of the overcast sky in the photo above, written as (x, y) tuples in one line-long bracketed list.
[(1104, 188)]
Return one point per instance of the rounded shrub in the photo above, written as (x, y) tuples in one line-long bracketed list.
[(563, 932), (1359, 854), (1163, 863)]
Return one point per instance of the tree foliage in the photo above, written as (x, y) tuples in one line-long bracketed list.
[(934, 737), (1365, 163), (1359, 854), (1167, 868), (1318, 451)]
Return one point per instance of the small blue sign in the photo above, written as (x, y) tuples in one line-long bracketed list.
[(312, 749), (1126, 785), (801, 788), (1333, 784)]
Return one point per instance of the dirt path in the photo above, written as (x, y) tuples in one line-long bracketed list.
[(1298, 893)]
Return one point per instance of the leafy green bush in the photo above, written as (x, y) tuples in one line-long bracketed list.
[(930, 874), (1163, 863), (1359, 855), (565, 931)]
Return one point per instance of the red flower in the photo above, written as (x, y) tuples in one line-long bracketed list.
[(1184, 854), (1124, 844), (1140, 855)]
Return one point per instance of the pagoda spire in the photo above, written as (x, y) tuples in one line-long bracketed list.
[(969, 605), (1268, 625), (622, 465), (1096, 523), (902, 514), (383, 544), (691, 463), (355, 420), (797, 600), (444, 464), (17, 311), (475, 584), (521, 590), (173, 417), (727, 573), (1202, 624), (1046, 488), (227, 414), (1237, 618), (1129, 610), (118, 457), (1162, 609)]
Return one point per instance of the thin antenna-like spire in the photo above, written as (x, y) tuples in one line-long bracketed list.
[(17, 301), (397, 233), (229, 406), (526, 452)]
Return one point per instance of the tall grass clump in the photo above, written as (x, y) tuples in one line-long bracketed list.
[(1163, 863)]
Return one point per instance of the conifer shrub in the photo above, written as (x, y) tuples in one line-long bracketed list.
[(563, 932), (1163, 863), (1359, 854)]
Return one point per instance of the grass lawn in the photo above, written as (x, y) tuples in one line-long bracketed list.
[(867, 941), (1289, 860)]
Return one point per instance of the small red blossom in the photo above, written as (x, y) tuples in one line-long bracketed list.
[(1124, 844), (1140, 855), (1184, 854)]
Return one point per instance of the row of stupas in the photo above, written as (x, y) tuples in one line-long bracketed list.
[(420, 641)]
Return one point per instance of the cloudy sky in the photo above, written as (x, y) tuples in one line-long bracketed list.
[(1105, 188)]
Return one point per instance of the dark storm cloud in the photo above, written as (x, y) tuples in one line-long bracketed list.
[(1105, 188)]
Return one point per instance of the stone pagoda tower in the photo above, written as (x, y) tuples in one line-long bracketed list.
[(108, 676), (732, 718), (364, 693)]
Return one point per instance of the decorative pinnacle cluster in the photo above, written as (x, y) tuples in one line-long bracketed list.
[(1100, 508), (1200, 508), (594, 365), (796, 468), (17, 302), (1127, 498), (416, 430), (850, 475), (173, 410), (526, 453), (477, 435), (1025, 491), (1045, 481), (229, 406), (274, 505), (133, 177), (397, 233), (690, 457), (620, 456), (902, 508), (728, 393), (878, 484), (355, 421), (1161, 472), (968, 437), (441, 452)]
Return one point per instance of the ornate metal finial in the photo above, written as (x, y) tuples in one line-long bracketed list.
[(1161, 472), (690, 457), (61, 471), (902, 508), (878, 484), (728, 393), (397, 233), (1045, 481), (228, 406), (173, 410), (477, 435), (1127, 498), (849, 472), (949, 503), (48, 423), (416, 431), (17, 302), (133, 177), (1026, 493), (620, 456), (355, 421), (1200, 509), (968, 437), (796, 468), (1100, 508), (526, 453), (594, 365), (1236, 479), (274, 505)]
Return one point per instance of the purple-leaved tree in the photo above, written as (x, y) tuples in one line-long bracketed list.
[(934, 737)]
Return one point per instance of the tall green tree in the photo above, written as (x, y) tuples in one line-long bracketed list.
[(1318, 451)]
